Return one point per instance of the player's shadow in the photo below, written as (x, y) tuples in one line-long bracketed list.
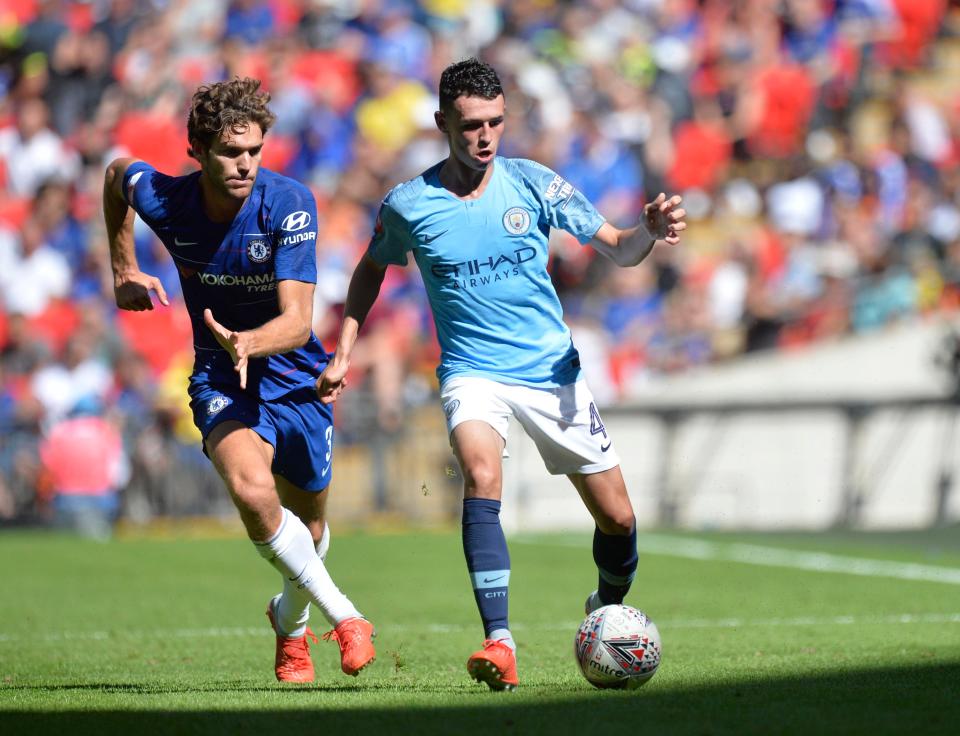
[(898, 699), (161, 688)]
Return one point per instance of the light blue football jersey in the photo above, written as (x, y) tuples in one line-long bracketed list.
[(484, 265)]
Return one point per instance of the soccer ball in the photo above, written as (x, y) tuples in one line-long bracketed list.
[(617, 647)]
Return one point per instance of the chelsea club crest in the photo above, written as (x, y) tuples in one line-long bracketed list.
[(217, 404), (516, 221), (258, 251)]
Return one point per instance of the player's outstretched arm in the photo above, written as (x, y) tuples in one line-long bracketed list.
[(287, 331), (363, 292), (131, 287), (662, 219)]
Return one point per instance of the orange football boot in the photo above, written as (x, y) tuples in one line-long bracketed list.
[(292, 662), (495, 664), (355, 637)]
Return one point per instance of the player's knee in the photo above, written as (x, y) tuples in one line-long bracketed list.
[(618, 524), (482, 480), (252, 488)]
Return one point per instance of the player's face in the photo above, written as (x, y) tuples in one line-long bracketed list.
[(232, 161), (473, 127)]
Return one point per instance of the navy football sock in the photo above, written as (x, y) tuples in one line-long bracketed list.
[(616, 558), (488, 560)]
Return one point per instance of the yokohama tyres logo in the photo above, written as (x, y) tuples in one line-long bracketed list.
[(295, 221)]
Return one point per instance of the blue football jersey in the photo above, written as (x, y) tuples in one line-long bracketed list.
[(484, 265), (233, 268)]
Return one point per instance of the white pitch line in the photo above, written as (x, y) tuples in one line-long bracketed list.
[(723, 623), (735, 623), (754, 554)]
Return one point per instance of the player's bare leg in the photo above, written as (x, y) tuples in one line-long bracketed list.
[(243, 460), (605, 496), (479, 448), (615, 538), (309, 506)]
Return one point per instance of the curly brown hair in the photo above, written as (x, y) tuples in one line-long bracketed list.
[(224, 106)]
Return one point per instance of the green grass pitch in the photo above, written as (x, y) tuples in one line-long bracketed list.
[(150, 636)]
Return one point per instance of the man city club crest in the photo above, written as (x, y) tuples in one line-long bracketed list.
[(516, 221), (258, 251), (217, 404), (450, 408)]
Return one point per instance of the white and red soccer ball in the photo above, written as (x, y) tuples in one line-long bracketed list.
[(617, 647)]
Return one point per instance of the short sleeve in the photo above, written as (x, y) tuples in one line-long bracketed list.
[(141, 186), (294, 217), (391, 238), (563, 206)]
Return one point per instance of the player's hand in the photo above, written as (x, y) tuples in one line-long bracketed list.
[(664, 218), (332, 382), (231, 341), (132, 291)]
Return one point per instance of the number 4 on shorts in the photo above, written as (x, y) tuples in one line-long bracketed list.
[(596, 423)]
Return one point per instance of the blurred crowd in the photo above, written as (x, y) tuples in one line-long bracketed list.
[(815, 143)]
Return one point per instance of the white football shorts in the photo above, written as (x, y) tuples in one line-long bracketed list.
[(562, 421)]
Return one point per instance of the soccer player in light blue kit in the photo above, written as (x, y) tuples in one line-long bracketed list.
[(477, 226), (244, 241)]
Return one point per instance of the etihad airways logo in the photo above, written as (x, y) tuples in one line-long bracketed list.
[(484, 266), (484, 271), (252, 282)]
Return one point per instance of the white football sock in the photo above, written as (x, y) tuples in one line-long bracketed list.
[(291, 551), (503, 635), (323, 546), (293, 608)]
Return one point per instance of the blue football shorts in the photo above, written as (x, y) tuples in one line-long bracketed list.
[(297, 425)]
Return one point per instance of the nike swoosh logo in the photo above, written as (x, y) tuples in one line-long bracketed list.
[(177, 241), (604, 448), (325, 469), (490, 580), (427, 239)]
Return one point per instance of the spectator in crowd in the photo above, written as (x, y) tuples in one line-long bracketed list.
[(31, 153), (33, 273), (59, 386), (84, 468), (22, 352)]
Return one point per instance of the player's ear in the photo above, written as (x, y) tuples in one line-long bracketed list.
[(440, 120)]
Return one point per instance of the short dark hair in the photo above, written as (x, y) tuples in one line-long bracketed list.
[(470, 77), (227, 106)]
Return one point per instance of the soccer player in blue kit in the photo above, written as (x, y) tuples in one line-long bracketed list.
[(244, 241), (477, 225)]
